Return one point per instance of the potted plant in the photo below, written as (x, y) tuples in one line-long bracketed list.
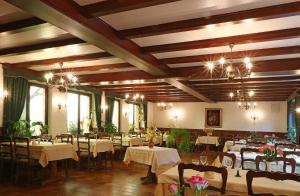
[(131, 128), (180, 139), (39, 128), (21, 128), (110, 128), (151, 133)]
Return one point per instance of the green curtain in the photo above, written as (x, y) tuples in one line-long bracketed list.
[(109, 113), (98, 110), (145, 108), (17, 88)]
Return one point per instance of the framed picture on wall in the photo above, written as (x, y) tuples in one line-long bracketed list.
[(213, 117)]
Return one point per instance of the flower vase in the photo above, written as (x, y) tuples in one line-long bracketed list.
[(268, 166), (151, 143)]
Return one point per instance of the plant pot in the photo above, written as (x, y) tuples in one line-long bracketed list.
[(268, 166), (151, 143)]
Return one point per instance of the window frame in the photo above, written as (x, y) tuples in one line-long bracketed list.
[(45, 87), (90, 108)]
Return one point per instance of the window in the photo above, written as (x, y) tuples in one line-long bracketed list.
[(35, 108), (78, 111), (116, 113), (133, 115)]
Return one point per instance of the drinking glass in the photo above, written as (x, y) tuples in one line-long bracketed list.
[(203, 159)]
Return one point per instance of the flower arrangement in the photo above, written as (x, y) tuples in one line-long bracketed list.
[(151, 132), (208, 131), (270, 152), (198, 184)]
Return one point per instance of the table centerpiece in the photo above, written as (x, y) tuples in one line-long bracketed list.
[(270, 154)]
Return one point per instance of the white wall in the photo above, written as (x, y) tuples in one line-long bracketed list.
[(124, 118), (57, 119), (192, 116), (150, 115)]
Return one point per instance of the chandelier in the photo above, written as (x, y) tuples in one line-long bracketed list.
[(243, 99), (228, 69), (163, 106), (135, 97), (61, 81)]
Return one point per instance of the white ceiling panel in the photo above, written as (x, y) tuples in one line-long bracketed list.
[(223, 49), (79, 64), (57, 52), (221, 30), (182, 10)]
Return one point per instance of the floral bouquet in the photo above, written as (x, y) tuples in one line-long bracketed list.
[(151, 132), (198, 184), (270, 152)]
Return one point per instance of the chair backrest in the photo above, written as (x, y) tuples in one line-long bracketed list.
[(271, 175), (21, 148), (65, 138), (286, 146), (286, 161), (117, 139), (228, 155), (202, 168), (83, 143), (6, 147), (256, 143), (243, 159), (104, 135), (46, 138)]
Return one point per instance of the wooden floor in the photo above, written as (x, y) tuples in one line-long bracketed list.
[(119, 181)]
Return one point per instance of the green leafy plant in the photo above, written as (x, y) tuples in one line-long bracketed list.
[(255, 136), (291, 134), (21, 128), (72, 127), (180, 139), (131, 128), (110, 128)]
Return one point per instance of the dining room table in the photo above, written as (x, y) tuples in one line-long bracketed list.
[(207, 141), (235, 185), (48, 153), (96, 145), (157, 158)]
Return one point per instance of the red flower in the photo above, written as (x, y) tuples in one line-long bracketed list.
[(280, 152)]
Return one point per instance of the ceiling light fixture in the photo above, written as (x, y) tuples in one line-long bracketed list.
[(164, 106), (62, 81)]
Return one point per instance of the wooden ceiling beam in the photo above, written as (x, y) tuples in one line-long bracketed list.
[(224, 41), (134, 85), (46, 62), (40, 46), (238, 54), (111, 7), (270, 12)]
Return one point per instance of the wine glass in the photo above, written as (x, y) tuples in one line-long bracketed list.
[(203, 159), (195, 161)]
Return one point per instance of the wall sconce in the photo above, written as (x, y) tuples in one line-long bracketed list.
[(125, 112), (298, 110), (254, 116), (104, 108), (60, 102), (164, 106)]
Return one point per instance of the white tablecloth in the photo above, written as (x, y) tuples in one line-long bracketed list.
[(155, 157), (208, 140), (237, 185), (96, 145), (231, 146), (46, 151)]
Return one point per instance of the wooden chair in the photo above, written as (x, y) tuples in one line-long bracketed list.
[(243, 159), (256, 144), (117, 139), (213, 155), (285, 161), (104, 135), (84, 150), (25, 163), (202, 168), (65, 138), (271, 175), (6, 156), (46, 138)]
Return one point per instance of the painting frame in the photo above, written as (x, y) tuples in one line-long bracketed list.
[(215, 114)]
